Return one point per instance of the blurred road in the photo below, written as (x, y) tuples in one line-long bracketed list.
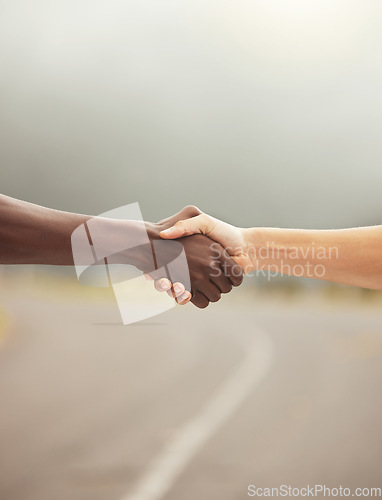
[(198, 403)]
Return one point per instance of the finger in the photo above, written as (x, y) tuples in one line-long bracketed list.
[(200, 300), (148, 277), (162, 285), (231, 269), (157, 274), (218, 277), (176, 290), (211, 291), (184, 298), (186, 213), (222, 281), (199, 224)]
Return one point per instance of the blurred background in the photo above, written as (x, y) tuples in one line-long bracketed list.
[(259, 112)]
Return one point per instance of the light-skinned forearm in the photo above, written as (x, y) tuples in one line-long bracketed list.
[(349, 256)]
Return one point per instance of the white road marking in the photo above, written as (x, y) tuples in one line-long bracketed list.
[(162, 473)]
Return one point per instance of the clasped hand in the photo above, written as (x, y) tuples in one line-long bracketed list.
[(215, 255)]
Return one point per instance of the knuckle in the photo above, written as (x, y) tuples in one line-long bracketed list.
[(203, 305), (183, 299), (179, 287), (192, 210), (215, 297), (238, 279), (227, 287), (199, 301)]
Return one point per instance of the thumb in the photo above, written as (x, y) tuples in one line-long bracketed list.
[(197, 224)]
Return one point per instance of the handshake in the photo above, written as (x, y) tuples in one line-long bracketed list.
[(218, 254), (214, 251)]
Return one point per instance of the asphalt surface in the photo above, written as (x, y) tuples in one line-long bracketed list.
[(187, 405)]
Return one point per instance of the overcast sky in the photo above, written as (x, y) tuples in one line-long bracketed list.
[(260, 112)]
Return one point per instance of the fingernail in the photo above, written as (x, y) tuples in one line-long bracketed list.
[(163, 285), (166, 231), (177, 288)]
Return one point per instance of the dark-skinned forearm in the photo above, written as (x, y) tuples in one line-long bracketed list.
[(31, 234)]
